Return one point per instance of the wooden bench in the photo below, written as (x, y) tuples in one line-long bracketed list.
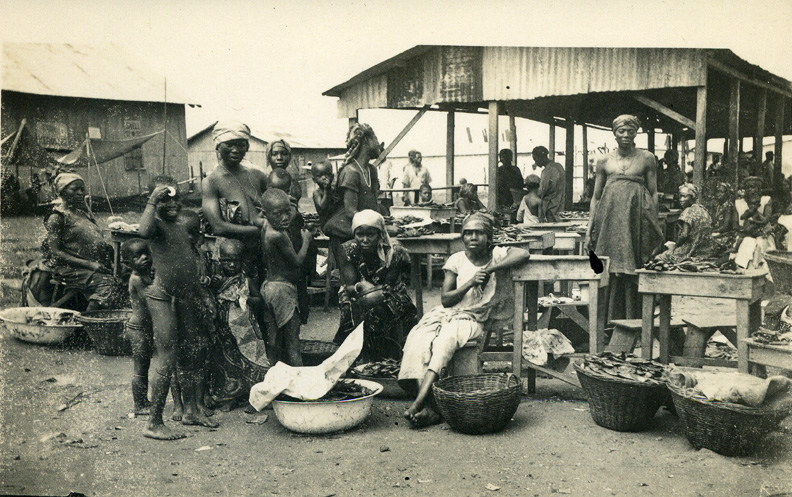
[(627, 331), (761, 355), (698, 334)]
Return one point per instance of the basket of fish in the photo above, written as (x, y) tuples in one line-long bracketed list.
[(46, 325), (385, 373), (624, 391)]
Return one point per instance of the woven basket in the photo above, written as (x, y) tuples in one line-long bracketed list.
[(779, 263), (314, 352), (477, 404), (106, 329), (620, 404), (722, 427)]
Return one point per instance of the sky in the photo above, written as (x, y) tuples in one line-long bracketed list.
[(268, 62)]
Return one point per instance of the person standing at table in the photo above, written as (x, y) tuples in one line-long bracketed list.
[(509, 176), (623, 224), (415, 175), (551, 186)]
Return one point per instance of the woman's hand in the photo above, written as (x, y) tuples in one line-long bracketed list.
[(159, 194), (481, 278), (100, 268)]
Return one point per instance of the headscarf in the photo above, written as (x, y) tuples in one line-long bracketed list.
[(626, 120), (480, 221), (752, 180), (355, 137), (373, 219), (270, 146), (230, 130), (65, 179), (689, 189)]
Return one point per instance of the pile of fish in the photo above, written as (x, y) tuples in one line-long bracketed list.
[(387, 368), (401, 221), (693, 266), (573, 215), (608, 365), (413, 232), (577, 228), (54, 318), (768, 337), (342, 390), (511, 234)]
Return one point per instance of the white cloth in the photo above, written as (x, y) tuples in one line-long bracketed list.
[(741, 205), (540, 344), (738, 388), (307, 382)]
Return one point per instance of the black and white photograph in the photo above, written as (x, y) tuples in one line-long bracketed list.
[(371, 248)]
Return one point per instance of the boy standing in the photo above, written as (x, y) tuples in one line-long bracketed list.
[(171, 300), (325, 197), (279, 291)]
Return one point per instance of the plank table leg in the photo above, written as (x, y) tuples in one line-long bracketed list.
[(665, 328), (647, 321), (415, 279), (596, 319), (747, 322), (429, 271), (519, 305)]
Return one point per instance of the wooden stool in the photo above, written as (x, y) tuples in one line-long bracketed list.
[(699, 333), (626, 333), (466, 360)]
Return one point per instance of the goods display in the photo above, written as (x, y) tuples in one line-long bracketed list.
[(388, 368), (693, 266), (342, 390), (625, 366), (511, 234), (52, 318)]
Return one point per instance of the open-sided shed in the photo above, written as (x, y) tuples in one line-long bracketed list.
[(691, 93)]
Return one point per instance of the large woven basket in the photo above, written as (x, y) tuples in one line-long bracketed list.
[(477, 404), (722, 427), (106, 329), (620, 404), (779, 263)]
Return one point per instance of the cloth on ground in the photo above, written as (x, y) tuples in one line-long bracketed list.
[(738, 388), (307, 382), (539, 345)]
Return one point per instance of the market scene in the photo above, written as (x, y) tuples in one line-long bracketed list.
[(514, 269)]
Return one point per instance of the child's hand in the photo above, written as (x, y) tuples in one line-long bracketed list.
[(159, 194), (306, 236)]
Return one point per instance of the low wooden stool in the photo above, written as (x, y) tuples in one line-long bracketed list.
[(626, 333), (466, 360), (699, 333)]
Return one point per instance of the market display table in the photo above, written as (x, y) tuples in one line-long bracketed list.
[(744, 289), (758, 355), (533, 241), (569, 242), (559, 227), (438, 243)]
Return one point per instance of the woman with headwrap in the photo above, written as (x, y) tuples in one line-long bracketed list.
[(475, 296), (468, 200), (695, 228), (74, 249), (623, 224), (754, 212), (725, 220), (279, 156), (371, 260)]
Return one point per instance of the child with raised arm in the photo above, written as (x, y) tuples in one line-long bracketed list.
[(172, 302), (279, 291), (135, 254), (325, 197)]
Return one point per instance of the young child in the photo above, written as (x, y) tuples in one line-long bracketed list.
[(279, 290), (325, 197), (135, 254), (468, 200), (172, 303), (240, 358), (425, 195), (470, 298)]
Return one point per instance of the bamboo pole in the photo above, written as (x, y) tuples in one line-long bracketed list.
[(492, 191)]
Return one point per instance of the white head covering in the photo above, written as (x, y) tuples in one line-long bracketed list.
[(373, 219), (230, 130), (65, 179)]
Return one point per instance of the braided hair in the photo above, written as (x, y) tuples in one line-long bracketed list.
[(357, 134)]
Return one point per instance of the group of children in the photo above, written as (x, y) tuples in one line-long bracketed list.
[(175, 290)]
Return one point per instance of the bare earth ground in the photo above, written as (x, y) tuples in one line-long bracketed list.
[(552, 446)]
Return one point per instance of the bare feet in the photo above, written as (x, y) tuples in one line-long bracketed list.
[(425, 417), (178, 411), (142, 410), (198, 419), (162, 432), (206, 411), (249, 409)]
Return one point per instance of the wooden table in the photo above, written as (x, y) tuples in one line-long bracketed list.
[(532, 241), (760, 355), (569, 242), (558, 227), (438, 243), (745, 289)]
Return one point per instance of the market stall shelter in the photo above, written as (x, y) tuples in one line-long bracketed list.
[(690, 93)]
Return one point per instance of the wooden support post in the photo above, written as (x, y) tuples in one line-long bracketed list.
[(761, 116), (585, 156), (402, 134), (352, 122), (734, 127), (513, 139), (701, 136), (779, 128), (569, 164), (492, 192), (650, 138), (551, 142), (450, 152)]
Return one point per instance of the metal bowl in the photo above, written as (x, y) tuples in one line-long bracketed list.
[(15, 320), (317, 417), (370, 297)]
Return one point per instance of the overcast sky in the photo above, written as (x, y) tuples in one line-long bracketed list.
[(268, 62)]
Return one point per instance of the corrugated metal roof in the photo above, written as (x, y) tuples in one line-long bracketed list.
[(66, 70), (269, 136)]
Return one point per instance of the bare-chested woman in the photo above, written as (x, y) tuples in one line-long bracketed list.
[(232, 193), (623, 224)]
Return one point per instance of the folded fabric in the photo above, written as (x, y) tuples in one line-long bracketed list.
[(540, 344), (307, 382), (738, 388)]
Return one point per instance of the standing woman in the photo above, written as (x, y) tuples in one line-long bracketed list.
[(368, 261), (279, 156), (623, 224)]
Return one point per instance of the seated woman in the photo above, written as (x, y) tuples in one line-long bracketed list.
[(74, 250), (369, 260), (468, 200), (470, 301), (528, 212), (725, 220), (754, 213), (695, 228)]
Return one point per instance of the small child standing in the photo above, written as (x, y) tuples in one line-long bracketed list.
[(325, 197), (172, 303), (279, 291)]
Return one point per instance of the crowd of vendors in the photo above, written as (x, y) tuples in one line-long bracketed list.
[(195, 305)]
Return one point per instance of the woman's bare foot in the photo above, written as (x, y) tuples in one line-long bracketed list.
[(162, 432), (424, 418), (178, 412), (198, 419), (141, 410), (206, 411)]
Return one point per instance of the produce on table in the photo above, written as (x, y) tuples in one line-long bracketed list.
[(570, 215), (693, 266), (342, 390), (608, 365), (401, 221), (387, 368), (46, 318), (413, 232), (768, 337), (511, 234)]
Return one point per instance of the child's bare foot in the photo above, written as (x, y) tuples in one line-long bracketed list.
[(249, 409), (206, 411), (424, 418), (162, 432), (198, 419), (142, 410), (178, 412)]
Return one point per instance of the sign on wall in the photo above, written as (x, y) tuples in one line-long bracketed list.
[(52, 135)]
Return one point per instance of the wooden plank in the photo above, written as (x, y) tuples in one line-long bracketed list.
[(701, 284), (450, 117), (551, 142), (779, 127), (701, 136), (584, 137), (761, 116), (720, 66), (734, 124), (569, 164), (492, 192), (697, 362), (557, 267), (743, 332), (519, 307), (650, 138), (676, 116), (402, 133), (513, 137), (647, 321), (769, 357), (664, 330)]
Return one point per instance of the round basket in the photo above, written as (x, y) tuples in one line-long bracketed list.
[(480, 403), (314, 352), (779, 263), (106, 329), (621, 405), (15, 320), (723, 427)]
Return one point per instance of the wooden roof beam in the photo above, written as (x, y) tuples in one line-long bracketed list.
[(676, 116), (720, 66)]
